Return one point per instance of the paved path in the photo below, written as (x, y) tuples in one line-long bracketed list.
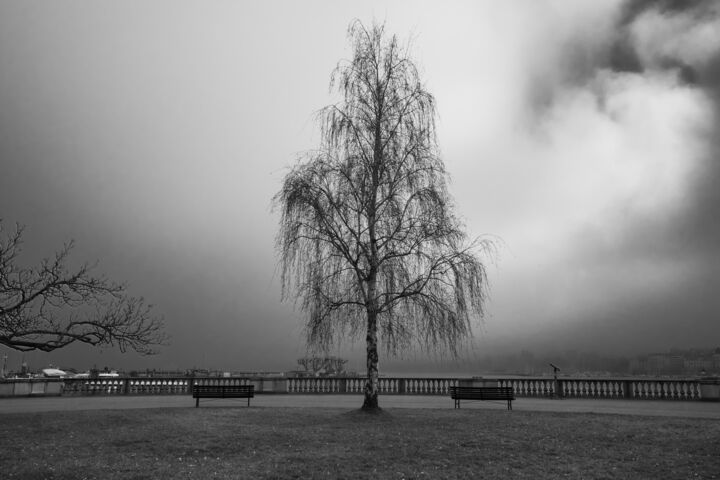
[(664, 408)]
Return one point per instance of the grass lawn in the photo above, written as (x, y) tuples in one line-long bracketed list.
[(256, 442)]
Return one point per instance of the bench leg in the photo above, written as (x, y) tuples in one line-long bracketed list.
[(509, 404), (197, 402), (248, 401)]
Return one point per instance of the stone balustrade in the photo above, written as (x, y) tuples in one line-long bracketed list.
[(606, 388)]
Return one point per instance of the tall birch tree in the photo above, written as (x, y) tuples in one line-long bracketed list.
[(368, 240)]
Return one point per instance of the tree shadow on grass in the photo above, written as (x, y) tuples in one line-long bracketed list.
[(365, 415)]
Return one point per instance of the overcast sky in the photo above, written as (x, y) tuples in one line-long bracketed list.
[(584, 134)]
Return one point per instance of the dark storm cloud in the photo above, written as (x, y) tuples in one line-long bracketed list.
[(624, 57), (697, 227), (583, 57), (655, 274)]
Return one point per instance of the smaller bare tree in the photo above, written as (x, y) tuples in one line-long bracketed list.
[(51, 305)]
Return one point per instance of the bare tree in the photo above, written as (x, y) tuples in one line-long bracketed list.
[(327, 366), (368, 240), (51, 306)]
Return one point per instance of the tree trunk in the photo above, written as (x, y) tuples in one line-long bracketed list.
[(371, 384)]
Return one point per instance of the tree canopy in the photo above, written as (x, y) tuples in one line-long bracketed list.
[(368, 240), (51, 305)]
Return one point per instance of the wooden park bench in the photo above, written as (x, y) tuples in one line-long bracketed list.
[(482, 393), (222, 391)]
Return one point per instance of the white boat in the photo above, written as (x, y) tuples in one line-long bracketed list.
[(52, 372)]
